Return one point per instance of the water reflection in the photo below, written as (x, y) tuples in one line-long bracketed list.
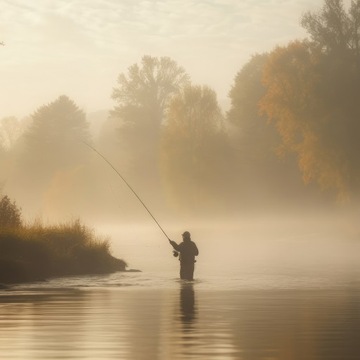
[(197, 334), (188, 333), (184, 322), (187, 305)]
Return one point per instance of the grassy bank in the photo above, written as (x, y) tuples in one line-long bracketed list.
[(36, 252)]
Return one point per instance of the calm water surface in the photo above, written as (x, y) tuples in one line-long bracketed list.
[(131, 316), (232, 311)]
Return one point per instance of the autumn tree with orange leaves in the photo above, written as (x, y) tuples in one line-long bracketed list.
[(313, 98)]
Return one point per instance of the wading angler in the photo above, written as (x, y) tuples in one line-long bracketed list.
[(187, 250)]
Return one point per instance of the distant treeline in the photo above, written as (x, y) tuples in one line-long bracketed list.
[(294, 120)]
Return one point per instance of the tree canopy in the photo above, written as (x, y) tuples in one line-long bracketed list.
[(148, 85), (10, 213), (142, 96), (52, 143), (313, 90), (332, 28), (293, 119), (194, 148), (56, 135)]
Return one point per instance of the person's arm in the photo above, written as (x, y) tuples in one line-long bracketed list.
[(196, 250), (174, 245)]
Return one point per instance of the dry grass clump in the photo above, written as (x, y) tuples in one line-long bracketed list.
[(34, 252)]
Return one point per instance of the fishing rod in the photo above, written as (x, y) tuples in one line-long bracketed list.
[(128, 185)]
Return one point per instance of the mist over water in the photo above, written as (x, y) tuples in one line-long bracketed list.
[(268, 188), (307, 245), (260, 291)]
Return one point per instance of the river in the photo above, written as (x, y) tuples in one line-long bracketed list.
[(282, 299)]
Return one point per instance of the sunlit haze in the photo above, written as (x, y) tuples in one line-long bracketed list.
[(78, 48), (180, 179)]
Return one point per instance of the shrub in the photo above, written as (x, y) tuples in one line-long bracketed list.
[(10, 213), (34, 252)]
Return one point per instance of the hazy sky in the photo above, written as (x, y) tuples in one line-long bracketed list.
[(78, 47)]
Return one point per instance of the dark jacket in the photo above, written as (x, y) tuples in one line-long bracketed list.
[(187, 249)]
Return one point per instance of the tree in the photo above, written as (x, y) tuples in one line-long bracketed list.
[(142, 97), (262, 175), (10, 213), (10, 130), (316, 112), (313, 98), (150, 87), (246, 92), (336, 32), (333, 29), (52, 143), (253, 138), (55, 138), (195, 149)]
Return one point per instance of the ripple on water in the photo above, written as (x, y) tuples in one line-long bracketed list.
[(140, 316)]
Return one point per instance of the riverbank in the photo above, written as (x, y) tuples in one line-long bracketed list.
[(37, 252)]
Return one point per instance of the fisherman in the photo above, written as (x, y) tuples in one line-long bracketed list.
[(188, 250)]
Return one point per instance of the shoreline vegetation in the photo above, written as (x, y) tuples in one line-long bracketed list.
[(37, 252)]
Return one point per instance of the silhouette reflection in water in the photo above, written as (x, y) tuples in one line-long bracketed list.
[(187, 304), (186, 319)]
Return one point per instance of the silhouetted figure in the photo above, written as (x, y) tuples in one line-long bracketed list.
[(188, 250)]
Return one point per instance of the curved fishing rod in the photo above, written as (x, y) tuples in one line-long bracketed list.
[(128, 185)]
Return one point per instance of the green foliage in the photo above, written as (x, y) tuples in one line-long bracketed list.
[(10, 213), (36, 252)]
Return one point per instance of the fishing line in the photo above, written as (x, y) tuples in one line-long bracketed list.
[(128, 185)]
